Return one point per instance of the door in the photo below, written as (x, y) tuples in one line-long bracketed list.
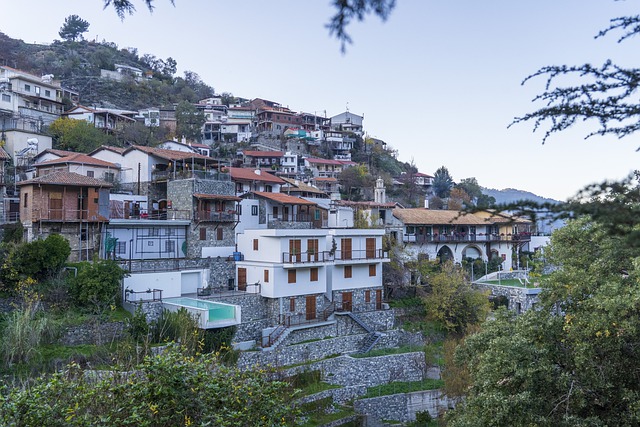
[(378, 299), (189, 282), (55, 205), (345, 248), (312, 250), (371, 247), (311, 307), (295, 247), (285, 213), (242, 279), (347, 303)]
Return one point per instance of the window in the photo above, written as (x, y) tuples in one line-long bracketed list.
[(268, 188), (292, 305), (255, 244), (372, 270), (292, 276), (367, 296), (26, 200), (254, 210), (266, 276), (348, 272), (27, 88), (109, 176), (47, 93), (154, 232), (203, 233), (371, 247), (6, 98), (313, 274), (219, 235), (90, 174), (121, 248), (170, 246), (345, 248)]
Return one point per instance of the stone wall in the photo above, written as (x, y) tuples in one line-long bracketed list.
[(169, 264), (403, 407), (254, 318), (520, 299), (92, 333)]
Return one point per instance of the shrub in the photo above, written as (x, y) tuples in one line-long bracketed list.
[(25, 330), (97, 285)]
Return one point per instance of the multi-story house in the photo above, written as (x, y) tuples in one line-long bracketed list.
[(340, 144), (262, 159), (28, 104), (72, 205), (348, 122), (9, 206), (273, 118), (108, 120), (306, 275), (326, 168), (458, 235), (81, 164), (247, 179), (279, 210), (289, 164)]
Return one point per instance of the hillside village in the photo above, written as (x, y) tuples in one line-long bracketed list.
[(265, 239)]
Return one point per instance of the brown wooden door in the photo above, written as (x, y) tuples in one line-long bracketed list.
[(312, 250), (55, 205), (242, 279), (311, 307), (285, 213), (371, 247), (378, 299), (347, 301), (345, 248), (295, 247)]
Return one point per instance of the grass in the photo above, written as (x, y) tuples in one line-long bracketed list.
[(388, 351), (403, 387), (319, 419)]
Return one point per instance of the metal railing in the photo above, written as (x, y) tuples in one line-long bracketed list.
[(139, 296), (328, 256), (145, 215), (463, 237), (216, 216), (290, 218), (9, 217), (361, 254), (159, 175), (305, 257), (271, 339), (66, 215)]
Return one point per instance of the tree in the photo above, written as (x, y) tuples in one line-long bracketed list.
[(453, 302), (442, 182), (607, 94), (458, 199), (73, 28), (77, 135), (189, 121), (575, 360), (352, 180), (97, 285), (471, 187), (169, 389)]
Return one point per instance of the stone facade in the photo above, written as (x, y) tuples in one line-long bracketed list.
[(217, 233), (83, 237), (403, 407), (520, 299), (92, 333)]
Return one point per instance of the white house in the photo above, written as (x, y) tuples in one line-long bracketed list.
[(311, 271)]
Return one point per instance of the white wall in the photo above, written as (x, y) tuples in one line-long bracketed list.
[(169, 282)]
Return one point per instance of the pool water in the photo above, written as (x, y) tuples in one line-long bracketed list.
[(216, 311)]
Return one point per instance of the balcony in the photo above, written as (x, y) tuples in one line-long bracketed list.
[(216, 216), (295, 259), (66, 215), (457, 237), (172, 214), (167, 175)]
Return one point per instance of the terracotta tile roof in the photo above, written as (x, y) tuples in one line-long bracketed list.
[(330, 161), (79, 158), (367, 204), (61, 153), (284, 198), (4, 155), (167, 154), (248, 174), (253, 153), (216, 197), (299, 185), (113, 148), (429, 217), (67, 178)]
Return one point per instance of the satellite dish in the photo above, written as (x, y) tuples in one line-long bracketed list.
[(33, 142)]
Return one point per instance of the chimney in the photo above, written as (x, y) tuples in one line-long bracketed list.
[(426, 203), (258, 171)]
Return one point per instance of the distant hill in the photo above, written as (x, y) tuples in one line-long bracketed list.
[(511, 195)]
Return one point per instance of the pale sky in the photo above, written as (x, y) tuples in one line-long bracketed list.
[(439, 81)]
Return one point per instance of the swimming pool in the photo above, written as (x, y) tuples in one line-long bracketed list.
[(211, 314)]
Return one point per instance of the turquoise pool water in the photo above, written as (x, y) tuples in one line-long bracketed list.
[(216, 311)]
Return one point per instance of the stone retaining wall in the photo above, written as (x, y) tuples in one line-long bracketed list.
[(520, 299), (403, 407), (92, 333)]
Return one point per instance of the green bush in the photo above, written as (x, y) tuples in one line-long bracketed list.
[(97, 285)]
